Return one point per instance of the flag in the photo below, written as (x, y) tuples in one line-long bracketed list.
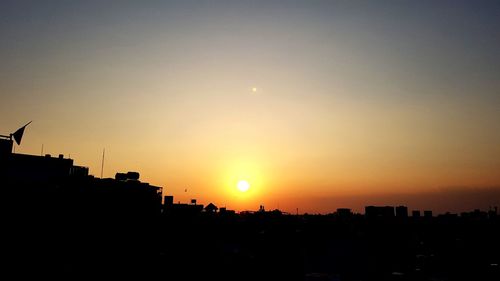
[(18, 135)]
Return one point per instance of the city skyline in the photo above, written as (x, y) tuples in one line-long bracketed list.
[(317, 105)]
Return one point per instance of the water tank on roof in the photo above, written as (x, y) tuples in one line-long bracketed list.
[(121, 176), (133, 175)]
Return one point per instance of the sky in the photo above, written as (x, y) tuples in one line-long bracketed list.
[(317, 104)]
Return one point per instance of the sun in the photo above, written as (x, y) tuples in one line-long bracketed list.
[(243, 186)]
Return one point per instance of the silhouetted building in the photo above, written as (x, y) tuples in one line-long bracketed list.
[(181, 209), (276, 212), (5, 147), (427, 214), (184, 209), (415, 213), (379, 211), (168, 200), (225, 211), (448, 216), (211, 208), (23, 168), (122, 195), (56, 181), (401, 212), (492, 213), (476, 214), (344, 213)]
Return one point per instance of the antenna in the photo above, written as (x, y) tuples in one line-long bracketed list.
[(17, 135), (102, 164), (41, 153)]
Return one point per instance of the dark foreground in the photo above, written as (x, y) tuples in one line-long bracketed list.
[(69, 235)]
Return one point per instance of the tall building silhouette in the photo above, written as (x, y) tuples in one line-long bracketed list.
[(401, 211)]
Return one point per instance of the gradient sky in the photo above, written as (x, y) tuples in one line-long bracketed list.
[(356, 102)]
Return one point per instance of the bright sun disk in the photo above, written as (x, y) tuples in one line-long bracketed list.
[(243, 185)]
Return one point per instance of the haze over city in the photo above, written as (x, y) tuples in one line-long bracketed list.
[(312, 105)]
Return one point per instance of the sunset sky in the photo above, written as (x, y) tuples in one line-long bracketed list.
[(317, 104)]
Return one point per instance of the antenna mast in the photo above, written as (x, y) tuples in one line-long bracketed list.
[(102, 164)]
